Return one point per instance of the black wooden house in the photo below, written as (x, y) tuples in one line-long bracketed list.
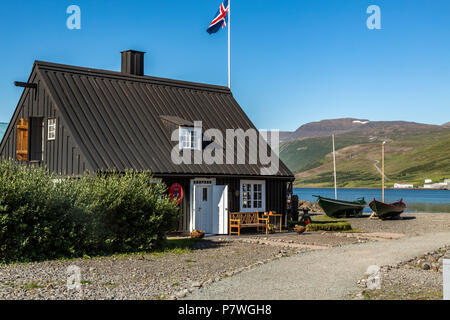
[(72, 120)]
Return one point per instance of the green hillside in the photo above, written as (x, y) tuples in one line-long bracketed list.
[(412, 155)]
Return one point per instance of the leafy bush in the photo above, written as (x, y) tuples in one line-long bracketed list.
[(127, 213), (43, 216)]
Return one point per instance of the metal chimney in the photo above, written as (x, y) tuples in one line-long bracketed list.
[(133, 62)]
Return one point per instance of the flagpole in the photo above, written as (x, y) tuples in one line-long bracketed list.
[(229, 44)]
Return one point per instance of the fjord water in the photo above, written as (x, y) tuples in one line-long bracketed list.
[(417, 200)]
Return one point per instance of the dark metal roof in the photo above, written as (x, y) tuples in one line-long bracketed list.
[(117, 119), (178, 121)]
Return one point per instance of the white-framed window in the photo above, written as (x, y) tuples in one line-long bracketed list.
[(190, 138), (51, 129), (253, 195)]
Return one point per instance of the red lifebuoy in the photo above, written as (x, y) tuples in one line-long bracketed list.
[(176, 192)]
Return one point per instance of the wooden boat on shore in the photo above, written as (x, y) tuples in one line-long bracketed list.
[(339, 208), (387, 210)]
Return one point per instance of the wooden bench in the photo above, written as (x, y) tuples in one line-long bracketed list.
[(240, 220)]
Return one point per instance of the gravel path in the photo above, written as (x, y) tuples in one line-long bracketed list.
[(138, 276), (312, 240), (321, 274)]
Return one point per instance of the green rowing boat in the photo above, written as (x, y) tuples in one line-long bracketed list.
[(339, 208)]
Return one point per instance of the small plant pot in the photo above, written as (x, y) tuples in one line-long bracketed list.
[(197, 234), (300, 229)]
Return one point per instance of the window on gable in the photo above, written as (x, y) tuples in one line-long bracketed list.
[(51, 132), (190, 138)]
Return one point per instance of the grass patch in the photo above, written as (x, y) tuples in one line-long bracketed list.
[(9, 284), (110, 284), (189, 261), (172, 246), (176, 284), (324, 223), (86, 282), (31, 285), (176, 246), (326, 218), (333, 226), (352, 231)]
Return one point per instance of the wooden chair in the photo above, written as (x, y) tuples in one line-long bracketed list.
[(263, 222)]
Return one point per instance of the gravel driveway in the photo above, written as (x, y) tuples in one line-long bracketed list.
[(321, 274), (135, 276)]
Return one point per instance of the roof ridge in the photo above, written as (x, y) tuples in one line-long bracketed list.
[(146, 79)]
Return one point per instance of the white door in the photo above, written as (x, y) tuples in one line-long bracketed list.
[(220, 210), (203, 208)]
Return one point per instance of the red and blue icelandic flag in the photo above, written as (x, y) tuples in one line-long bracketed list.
[(220, 19)]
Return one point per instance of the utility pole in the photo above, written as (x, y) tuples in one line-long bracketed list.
[(382, 165), (334, 165)]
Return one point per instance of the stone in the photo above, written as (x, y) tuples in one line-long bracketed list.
[(426, 266), (181, 294), (435, 266)]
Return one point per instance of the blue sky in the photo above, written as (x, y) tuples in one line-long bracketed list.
[(292, 61)]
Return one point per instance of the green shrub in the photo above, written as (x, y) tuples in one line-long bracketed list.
[(108, 213), (36, 218), (127, 213)]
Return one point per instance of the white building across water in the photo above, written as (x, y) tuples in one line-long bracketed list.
[(403, 186)]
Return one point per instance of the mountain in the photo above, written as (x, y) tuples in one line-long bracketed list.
[(3, 127), (447, 125), (326, 128), (414, 152)]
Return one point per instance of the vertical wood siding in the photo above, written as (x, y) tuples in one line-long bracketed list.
[(183, 223), (60, 155)]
